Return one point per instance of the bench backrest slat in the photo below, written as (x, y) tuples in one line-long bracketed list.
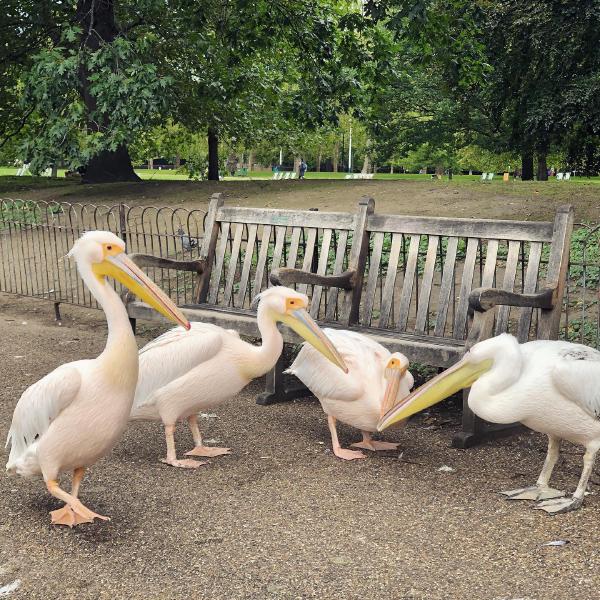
[(374, 261), (529, 287), (247, 265), (278, 249), (425, 293), (409, 279), (477, 228), (387, 297), (508, 283), (262, 259), (315, 302), (215, 279), (233, 260), (460, 320), (311, 239), (338, 267), (294, 245), (446, 287)]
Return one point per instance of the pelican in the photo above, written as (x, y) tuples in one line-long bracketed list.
[(375, 382), (550, 386), (183, 372), (75, 414)]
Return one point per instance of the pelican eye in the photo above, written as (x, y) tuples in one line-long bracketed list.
[(109, 247)]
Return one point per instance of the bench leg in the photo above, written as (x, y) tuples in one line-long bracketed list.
[(476, 430), (133, 323), (275, 389), (57, 316)]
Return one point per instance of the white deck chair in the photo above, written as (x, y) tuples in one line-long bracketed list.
[(490, 176), (559, 176), (293, 175), (567, 176)]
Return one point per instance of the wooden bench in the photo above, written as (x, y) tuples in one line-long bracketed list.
[(428, 287)]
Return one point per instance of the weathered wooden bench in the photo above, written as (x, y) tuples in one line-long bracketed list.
[(428, 287)]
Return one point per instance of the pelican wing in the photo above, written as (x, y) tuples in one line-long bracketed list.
[(364, 359), (576, 375), (174, 354), (39, 405)]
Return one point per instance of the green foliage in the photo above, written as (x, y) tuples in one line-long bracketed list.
[(127, 93)]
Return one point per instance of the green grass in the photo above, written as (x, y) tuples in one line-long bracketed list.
[(172, 175)]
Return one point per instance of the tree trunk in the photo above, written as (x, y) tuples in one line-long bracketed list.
[(366, 164), (297, 164), (177, 164), (542, 174), (319, 158), (54, 173), (250, 160), (108, 165), (526, 164), (213, 154), (150, 164), (391, 169), (336, 156)]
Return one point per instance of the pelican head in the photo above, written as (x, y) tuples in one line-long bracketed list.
[(103, 254), (395, 369), (289, 307), (478, 361)]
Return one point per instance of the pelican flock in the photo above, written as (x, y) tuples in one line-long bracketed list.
[(183, 372), (75, 414), (549, 386), (375, 382)]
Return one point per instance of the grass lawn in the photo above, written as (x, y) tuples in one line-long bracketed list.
[(463, 196)]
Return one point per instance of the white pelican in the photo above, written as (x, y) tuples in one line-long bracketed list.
[(375, 382), (549, 386), (75, 414), (183, 372)]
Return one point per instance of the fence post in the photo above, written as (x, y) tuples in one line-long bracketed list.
[(122, 224)]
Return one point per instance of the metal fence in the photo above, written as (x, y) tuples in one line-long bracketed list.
[(36, 236)]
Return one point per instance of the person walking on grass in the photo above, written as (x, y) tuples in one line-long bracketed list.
[(303, 167)]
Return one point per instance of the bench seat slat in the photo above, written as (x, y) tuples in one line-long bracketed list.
[(438, 352)]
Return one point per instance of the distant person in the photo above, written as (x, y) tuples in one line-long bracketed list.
[(303, 167)]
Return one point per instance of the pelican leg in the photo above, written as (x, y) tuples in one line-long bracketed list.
[(171, 459), (368, 443), (337, 449), (200, 449), (74, 512), (541, 490), (562, 505)]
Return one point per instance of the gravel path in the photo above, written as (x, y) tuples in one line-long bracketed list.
[(282, 518)]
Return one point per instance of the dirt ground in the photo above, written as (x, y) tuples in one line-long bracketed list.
[(282, 518), (457, 198)]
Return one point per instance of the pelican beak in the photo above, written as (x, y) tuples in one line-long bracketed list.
[(125, 271), (393, 375), (304, 325), (456, 378)]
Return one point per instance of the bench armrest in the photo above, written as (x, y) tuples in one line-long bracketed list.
[(483, 299), (285, 276), (147, 260)]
